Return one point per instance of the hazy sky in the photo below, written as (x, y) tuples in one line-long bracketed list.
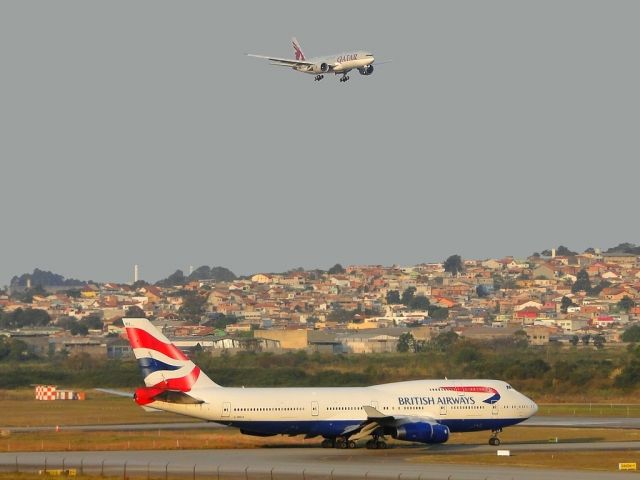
[(138, 132)]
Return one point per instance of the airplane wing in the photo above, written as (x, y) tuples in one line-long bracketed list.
[(283, 62), (378, 420)]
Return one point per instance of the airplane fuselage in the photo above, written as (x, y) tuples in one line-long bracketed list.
[(461, 405), (342, 62)]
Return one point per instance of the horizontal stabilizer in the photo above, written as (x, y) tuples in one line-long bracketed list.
[(173, 396)]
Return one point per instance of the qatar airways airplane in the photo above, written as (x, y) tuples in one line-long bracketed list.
[(424, 411), (341, 63)]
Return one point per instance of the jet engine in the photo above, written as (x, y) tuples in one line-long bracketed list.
[(422, 432), (320, 68), (368, 70)]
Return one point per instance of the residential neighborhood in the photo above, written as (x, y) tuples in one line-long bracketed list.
[(585, 299)]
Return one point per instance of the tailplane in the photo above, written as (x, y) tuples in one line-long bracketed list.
[(163, 365), (297, 49)]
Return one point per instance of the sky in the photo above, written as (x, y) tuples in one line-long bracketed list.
[(140, 133)]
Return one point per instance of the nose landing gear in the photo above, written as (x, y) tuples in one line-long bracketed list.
[(494, 440)]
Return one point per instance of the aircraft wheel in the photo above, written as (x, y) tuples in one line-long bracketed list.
[(381, 445), (327, 443), (371, 445), (494, 441), (341, 443), (352, 444)]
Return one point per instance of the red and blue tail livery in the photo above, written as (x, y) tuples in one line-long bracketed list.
[(163, 365), (423, 411)]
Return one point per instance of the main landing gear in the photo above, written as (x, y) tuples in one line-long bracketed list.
[(376, 444), (494, 440), (344, 78), (318, 78), (340, 442)]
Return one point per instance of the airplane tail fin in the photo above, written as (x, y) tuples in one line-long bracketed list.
[(163, 365), (297, 49)]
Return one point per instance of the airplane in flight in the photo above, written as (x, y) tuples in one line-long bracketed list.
[(341, 63), (424, 411)]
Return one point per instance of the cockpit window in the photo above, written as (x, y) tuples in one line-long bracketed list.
[(508, 387)]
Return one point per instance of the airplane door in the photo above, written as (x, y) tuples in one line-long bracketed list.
[(315, 409), (374, 404), (443, 410), (226, 409), (494, 409)]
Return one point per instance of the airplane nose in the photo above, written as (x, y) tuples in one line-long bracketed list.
[(534, 408)]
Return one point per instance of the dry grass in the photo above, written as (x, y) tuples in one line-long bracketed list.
[(18, 408)]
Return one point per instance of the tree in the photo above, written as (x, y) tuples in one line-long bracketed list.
[(582, 282), (565, 303), (193, 306), (406, 343), (599, 341), (445, 340), (407, 295), (574, 340), (586, 339), (626, 304), (419, 302), (92, 322), (438, 313), (564, 251), (631, 334), (336, 270), (453, 265), (393, 297), (135, 311)]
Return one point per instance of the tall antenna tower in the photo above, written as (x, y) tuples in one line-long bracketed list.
[(136, 275)]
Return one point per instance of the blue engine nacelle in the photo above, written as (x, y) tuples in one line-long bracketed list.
[(422, 432), (368, 70)]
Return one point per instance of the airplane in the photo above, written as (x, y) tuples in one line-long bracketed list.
[(341, 63), (423, 411)]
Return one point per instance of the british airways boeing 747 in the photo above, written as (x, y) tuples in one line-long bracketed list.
[(338, 64), (424, 411)]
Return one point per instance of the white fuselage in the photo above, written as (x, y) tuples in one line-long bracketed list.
[(328, 411), (342, 62)]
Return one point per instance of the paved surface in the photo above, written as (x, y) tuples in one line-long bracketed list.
[(413, 463), (565, 421), (583, 422)]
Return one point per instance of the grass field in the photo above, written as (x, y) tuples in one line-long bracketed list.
[(18, 408)]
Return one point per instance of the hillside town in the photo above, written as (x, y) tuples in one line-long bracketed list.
[(586, 299)]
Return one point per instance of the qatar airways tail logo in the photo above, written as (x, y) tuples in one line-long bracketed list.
[(495, 396), (299, 54)]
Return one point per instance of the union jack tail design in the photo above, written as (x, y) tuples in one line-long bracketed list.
[(297, 49), (495, 396), (163, 365)]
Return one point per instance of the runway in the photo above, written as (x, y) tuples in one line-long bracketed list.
[(537, 421), (406, 463)]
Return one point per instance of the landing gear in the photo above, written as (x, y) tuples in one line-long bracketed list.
[(318, 78), (376, 443), (344, 78), (342, 442), (328, 443), (494, 440)]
